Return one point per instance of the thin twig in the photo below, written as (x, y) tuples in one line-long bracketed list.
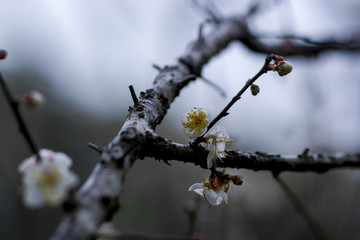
[(215, 86), (15, 108), (313, 225), (133, 94), (200, 33), (209, 10), (329, 42), (95, 147), (157, 67), (224, 112)]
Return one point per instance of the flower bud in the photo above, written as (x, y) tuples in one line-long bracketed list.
[(284, 68), (3, 54), (237, 180), (254, 89), (34, 99)]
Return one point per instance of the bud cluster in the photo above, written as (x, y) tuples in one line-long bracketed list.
[(280, 65)]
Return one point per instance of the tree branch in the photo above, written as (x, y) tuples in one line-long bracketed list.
[(15, 108), (101, 195), (165, 150), (296, 45)]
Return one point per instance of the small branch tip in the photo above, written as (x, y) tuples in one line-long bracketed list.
[(215, 86), (133, 94), (95, 147), (157, 67)]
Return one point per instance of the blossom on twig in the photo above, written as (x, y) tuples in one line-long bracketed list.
[(46, 178), (213, 195), (214, 188), (216, 142), (280, 65), (195, 122)]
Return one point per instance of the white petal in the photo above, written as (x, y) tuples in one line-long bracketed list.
[(223, 196), (212, 197), (210, 160), (45, 152), (26, 164), (33, 198), (188, 133), (62, 159), (210, 145), (198, 188), (184, 118), (220, 146), (221, 131)]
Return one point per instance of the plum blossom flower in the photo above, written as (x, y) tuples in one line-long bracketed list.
[(195, 122), (216, 142), (46, 178), (214, 196), (214, 188)]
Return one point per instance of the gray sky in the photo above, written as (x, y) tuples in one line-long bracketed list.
[(91, 51)]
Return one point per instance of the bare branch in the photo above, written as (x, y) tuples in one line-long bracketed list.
[(163, 149), (214, 86), (296, 45), (313, 224), (15, 108)]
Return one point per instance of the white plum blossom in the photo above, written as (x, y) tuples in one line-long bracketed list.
[(195, 122), (216, 142), (214, 188), (214, 197), (46, 178)]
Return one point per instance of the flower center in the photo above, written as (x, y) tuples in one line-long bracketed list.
[(48, 178), (196, 120)]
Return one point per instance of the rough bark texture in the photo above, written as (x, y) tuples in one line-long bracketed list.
[(163, 149), (101, 195)]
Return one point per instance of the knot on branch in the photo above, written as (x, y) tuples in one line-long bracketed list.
[(122, 150)]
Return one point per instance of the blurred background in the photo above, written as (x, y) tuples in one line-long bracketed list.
[(83, 55)]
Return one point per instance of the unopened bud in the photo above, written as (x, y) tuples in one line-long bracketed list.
[(3, 54), (254, 89), (237, 180), (34, 99), (284, 68)]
